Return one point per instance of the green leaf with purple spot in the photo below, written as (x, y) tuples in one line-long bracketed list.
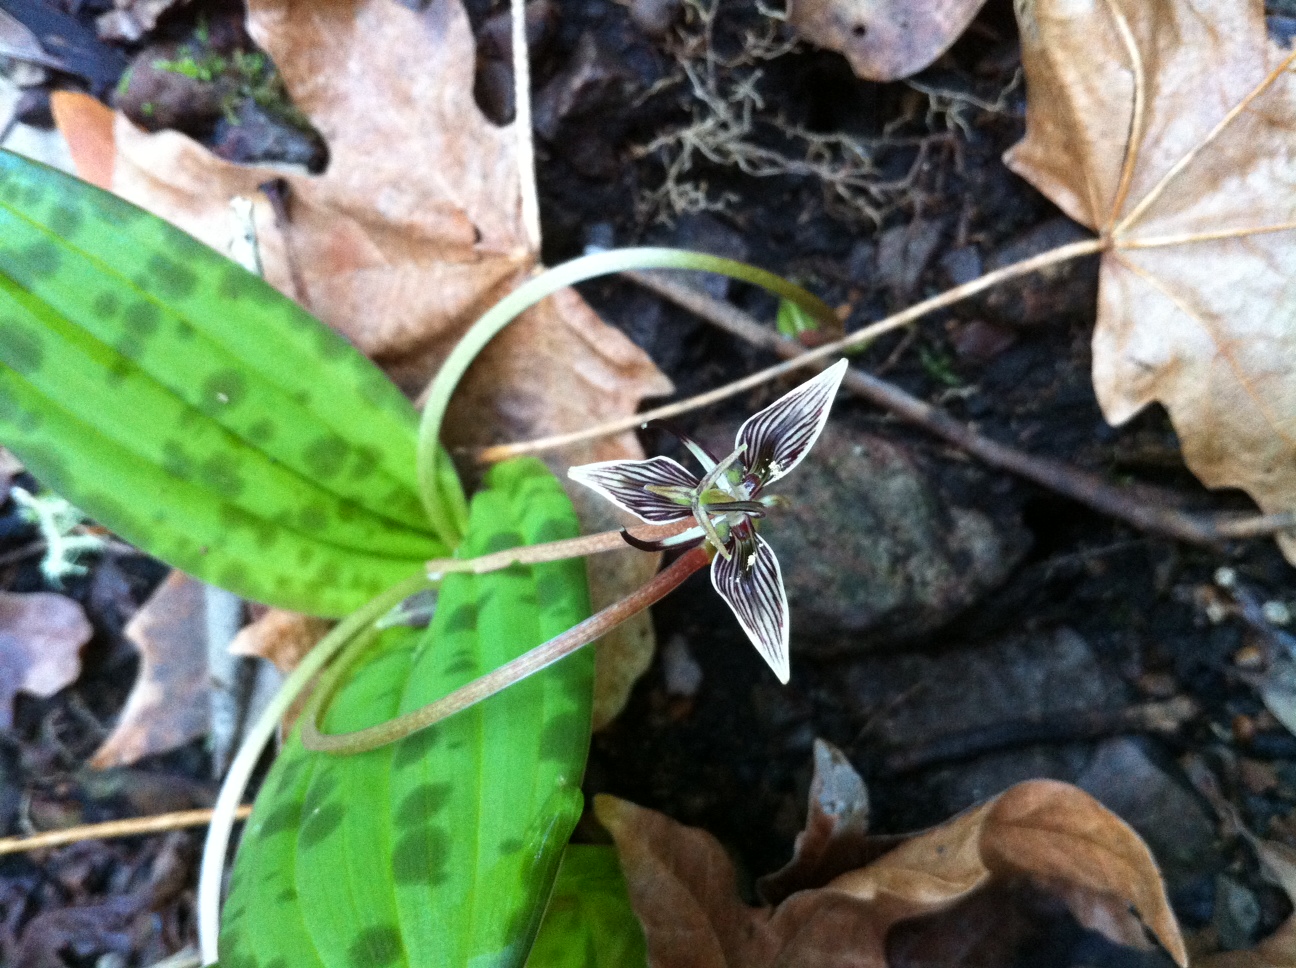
[(187, 405), (441, 849)]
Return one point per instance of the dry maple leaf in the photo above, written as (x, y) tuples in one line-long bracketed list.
[(1167, 126), (41, 635), (682, 884), (883, 39), (169, 704)]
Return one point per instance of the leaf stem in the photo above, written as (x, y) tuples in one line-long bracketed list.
[(525, 665)]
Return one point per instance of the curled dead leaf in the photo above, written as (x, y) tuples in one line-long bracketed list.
[(41, 635), (1167, 127), (883, 39), (682, 884)]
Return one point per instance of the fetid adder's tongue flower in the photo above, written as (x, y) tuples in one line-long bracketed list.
[(727, 502)]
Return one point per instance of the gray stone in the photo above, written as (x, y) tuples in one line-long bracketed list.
[(977, 690), (871, 552), (1165, 813)]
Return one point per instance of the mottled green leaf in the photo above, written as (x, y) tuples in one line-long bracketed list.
[(193, 409), (589, 922), (441, 849)]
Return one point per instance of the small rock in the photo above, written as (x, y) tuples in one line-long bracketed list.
[(1059, 294), (980, 342), (257, 136), (1167, 814), (169, 86), (1237, 913), (681, 671), (493, 88), (654, 17), (872, 554), (974, 690), (961, 266), (904, 253), (591, 81), (862, 261)]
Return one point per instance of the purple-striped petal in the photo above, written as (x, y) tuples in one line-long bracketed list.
[(625, 483), (779, 437), (752, 583)]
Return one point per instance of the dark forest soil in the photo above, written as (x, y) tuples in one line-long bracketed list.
[(937, 709)]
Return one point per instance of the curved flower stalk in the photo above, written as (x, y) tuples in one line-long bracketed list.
[(727, 502)]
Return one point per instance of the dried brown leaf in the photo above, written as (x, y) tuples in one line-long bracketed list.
[(41, 635), (87, 127), (883, 39), (1168, 127), (835, 839), (168, 706), (281, 637), (683, 888)]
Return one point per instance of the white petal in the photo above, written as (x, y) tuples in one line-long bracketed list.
[(779, 437), (623, 482), (752, 583)]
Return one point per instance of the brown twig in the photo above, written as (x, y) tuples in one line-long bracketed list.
[(159, 823), (732, 319), (1146, 508)]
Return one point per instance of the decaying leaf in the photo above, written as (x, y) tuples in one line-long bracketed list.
[(1052, 834), (883, 39), (168, 705), (41, 635), (1168, 128), (412, 232)]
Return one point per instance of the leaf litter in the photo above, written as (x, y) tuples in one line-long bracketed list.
[(1145, 253), (684, 887), (41, 636), (168, 705)]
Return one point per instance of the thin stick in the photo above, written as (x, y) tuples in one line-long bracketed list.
[(1156, 190), (733, 320), (577, 637), (133, 827), (588, 544), (1146, 509), (528, 196)]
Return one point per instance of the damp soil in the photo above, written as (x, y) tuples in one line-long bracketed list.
[(1090, 607)]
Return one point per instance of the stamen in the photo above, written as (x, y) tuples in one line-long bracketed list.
[(702, 517)]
